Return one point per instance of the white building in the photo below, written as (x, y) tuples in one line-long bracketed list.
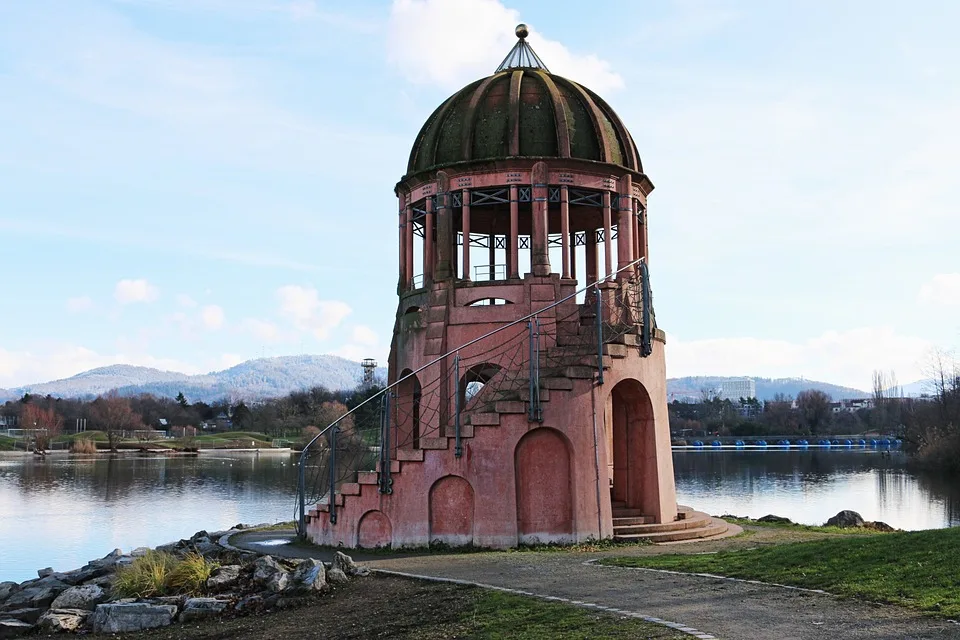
[(736, 388)]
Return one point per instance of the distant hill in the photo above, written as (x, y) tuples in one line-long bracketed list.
[(688, 388), (250, 380)]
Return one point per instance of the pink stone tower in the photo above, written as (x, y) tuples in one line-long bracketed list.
[(527, 396)]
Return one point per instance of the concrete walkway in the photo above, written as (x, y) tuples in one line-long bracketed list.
[(731, 610)]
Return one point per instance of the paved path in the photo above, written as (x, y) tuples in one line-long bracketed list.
[(728, 609)]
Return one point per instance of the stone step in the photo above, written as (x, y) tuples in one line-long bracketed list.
[(349, 489), (432, 444), (711, 530), (510, 406), (616, 350), (627, 513), (626, 522), (524, 395), (556, 383), (580, 372), (691, 521), (368, 477), (409, 455), (466, 431), (394, 466), (484, 419)]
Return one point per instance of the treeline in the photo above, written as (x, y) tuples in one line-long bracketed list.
[(115, 415)]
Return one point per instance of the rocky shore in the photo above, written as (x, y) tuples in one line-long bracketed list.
[(242, 583)]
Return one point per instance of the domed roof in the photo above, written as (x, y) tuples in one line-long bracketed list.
[(523, 111)]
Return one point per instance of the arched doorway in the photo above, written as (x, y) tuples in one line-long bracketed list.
[(374, 530), (407, 413), (451, 511), (633, 447), (544, 487)]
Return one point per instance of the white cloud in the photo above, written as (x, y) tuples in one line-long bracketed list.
[(358, 352), (841, 357), (129, 291), (186, 301), (228, 360), (261, 329), (480, 33), (942, 289), (303, 306), (364, 335), (212, 317), (79, 304)]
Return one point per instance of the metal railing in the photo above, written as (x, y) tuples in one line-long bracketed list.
[(428, 407)]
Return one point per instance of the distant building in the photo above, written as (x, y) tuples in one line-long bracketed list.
[(8, 422), (850, 405), (737, 388)]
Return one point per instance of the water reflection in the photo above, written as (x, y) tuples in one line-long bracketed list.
[(62, 512), (810, 486)]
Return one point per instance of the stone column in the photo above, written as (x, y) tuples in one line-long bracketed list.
[(591, 256), (492, 254), (466, 233), (428, 245), (607, 234), (444, 228), (408, 238), (513, 242), (573, 255), (539, 251), (625, 253), (642, 232), (402, 253), (566, 246)]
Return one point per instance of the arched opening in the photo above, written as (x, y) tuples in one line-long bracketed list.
[(451, 511), (407, 413), (544, 487), (489, 302), (473, 382), (374, 530), (634, 472)]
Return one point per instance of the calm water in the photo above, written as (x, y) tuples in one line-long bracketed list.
[(811, 486), (63, 512)]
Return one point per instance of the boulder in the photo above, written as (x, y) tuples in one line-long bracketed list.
[(336, 575), (57, 620), (253, 602), (207, 549), (32, 597), (43, 573), (135, 616), (199, 608), (86, 597), (139, 552), (346, 564), (13, 628), (310, 575), (878, 526), (8, 588), (845, 519), (772, 519), (25, 615), (269, 574), (223, 577)]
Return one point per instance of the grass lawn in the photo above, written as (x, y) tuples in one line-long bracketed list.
[(6, 444), (919, 569)]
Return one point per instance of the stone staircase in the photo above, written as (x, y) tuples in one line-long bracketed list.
[(690, 525)]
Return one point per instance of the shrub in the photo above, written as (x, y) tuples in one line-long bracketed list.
[(83, 445), (190, 575), (146, 576)]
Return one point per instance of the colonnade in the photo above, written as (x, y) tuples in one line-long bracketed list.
[(440, 255)]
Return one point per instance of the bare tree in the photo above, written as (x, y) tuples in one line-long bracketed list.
[(814, 408), (45, 423), (114, 415)]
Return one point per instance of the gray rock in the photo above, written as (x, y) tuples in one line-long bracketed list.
[(269, 574), (774, 519), (13, 628), (57, 620), (336, 575), (250, 602), (346, 564), (199, 608), (224, 577), (135, 616), (8, 588), (24, 615), (139, 552), (878, 526), (207, 549), (32, 597), (309, 575), (845, 519), (43, 573), (86, 598)]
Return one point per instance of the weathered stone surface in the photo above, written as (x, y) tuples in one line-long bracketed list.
[(269, 574), (346, 564), (8, 588), (224, 577), (250, 602), (39, 597), (207, 549), (63, 619), (13, 628), (310, 575), (774, 519), (336, 576), (845, 519), (139, 552), (24, 615), (86, 597), (878, 526), (137, 616), (43, 573), (199, 608)]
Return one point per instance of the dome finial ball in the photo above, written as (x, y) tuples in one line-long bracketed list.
[(522, 31)]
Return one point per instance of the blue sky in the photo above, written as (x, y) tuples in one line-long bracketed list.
[(190, 183)]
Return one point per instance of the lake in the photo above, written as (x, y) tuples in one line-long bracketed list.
[(64, 511)]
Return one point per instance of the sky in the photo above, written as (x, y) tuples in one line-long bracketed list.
[(187, 184)]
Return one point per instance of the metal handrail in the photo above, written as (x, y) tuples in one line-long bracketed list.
[(301, 479)]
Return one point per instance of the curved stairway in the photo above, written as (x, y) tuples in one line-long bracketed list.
[(689, 526)]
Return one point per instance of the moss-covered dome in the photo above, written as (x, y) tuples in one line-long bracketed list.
[(523, 113)]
